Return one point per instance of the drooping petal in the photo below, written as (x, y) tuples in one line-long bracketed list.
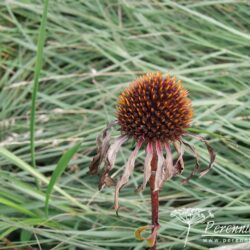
[(169, 170), (110, 161), (102, 143), (129, 167), (179, 165), (197, 165), (210, 150), (147, 167), (159, 174)]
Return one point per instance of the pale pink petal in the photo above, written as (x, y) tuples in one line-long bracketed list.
[(147, 167), (114, 148), (170, 170), (169, 159), (129, 167), (159, 175)]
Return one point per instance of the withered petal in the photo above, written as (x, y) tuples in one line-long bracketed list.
[(210, 150), (102, 148), (129, 167), (107, 181), (179, 165), (169, 170), (147, 167), (197, 165), (159, 175), (102, 145), (110, 158)]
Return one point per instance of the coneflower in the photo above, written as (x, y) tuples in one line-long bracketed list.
[(154, 111)]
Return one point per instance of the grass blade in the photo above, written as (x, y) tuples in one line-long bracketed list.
[(11, 158), (15, 206), (40, 46), (61, 165)]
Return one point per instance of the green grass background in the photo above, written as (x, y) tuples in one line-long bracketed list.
[(92, 50)]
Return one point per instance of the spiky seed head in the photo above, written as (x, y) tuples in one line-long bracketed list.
[(154, 108)]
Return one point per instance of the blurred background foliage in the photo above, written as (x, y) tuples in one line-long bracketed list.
[(93, 49)]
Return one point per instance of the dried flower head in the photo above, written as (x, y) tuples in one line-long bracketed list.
[(155, 111), (154, 108)]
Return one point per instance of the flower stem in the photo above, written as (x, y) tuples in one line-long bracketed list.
[(154, 196)]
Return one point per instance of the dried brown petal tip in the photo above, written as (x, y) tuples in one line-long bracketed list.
[(197, 165), (179, 165), (102, 145), (110, 158), (154, 108), (210, 150), (106, 181)]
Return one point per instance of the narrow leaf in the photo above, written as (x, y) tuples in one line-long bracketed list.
[(15, 206), (61, 165), (38, 67)]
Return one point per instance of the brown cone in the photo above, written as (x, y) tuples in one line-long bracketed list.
[(154, 108)]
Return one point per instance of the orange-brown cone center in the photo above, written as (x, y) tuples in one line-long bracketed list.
[(154, 108)]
